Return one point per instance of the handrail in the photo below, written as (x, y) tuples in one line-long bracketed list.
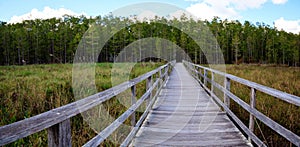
[(254, 113), (57, 120), (270, 91)]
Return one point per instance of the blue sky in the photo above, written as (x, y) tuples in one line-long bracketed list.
[(284, 13)]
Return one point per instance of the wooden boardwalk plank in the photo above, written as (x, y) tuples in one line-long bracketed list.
[(184, 115)]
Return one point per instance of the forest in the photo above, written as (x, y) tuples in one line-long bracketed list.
[(46, 41), (27, 91)]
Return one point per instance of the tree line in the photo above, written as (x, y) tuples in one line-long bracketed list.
[(55, 40)]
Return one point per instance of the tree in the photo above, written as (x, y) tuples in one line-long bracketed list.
[(55, 40)]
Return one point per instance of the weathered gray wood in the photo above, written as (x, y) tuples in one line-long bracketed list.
[(266, 120), (59, 135), (215, 141), (185, 110), (113, 126), (135, 129), (132, 133), (160, 77), (189, 136), (165, 75), (252, 105), (292, 137), (200, 74), (21, 129), (168, 70), (239, 122), (59, 117), (148, 85), (26, 127), (227, 87), (133, 100), (205, 77), (212, 81), (270, 91), (138, 124), (196, 71), (53, 135)]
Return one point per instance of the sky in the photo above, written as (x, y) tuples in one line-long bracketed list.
[(283, 14)]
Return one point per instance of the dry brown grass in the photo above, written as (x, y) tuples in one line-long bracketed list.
[(26, 91), (286, 79)]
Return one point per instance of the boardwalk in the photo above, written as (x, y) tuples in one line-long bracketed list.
[(184, 115)]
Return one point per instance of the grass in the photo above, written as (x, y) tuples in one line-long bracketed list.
[(29, 90), (282, 78), (286, 79), (26, 91)]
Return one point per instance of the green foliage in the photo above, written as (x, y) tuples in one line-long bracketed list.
[(55, 40)]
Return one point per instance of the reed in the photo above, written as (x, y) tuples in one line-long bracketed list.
[(282, 78), (26, 91)]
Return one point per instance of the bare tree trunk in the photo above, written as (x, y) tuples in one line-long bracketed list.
[(236, 54), (19, 54)]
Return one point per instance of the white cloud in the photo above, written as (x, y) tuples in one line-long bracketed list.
[(278, 2), (292, 26), (210, 8), (207, 9), (45, 14)]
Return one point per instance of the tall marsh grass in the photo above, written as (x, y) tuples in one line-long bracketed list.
[(286, 79), (26, 91)]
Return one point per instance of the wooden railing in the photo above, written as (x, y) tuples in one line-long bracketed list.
[(200, 73), (58, 124)]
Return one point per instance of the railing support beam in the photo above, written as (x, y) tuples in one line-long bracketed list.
[(59, 135), (252, 105), (227, 87), (212, 83), (160, 78), (133, 100), (148, 85), (254, 113), (205, 77)]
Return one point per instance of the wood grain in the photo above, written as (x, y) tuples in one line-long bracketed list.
[(292, 137), (270, 91), (184, 115), (26, 127)]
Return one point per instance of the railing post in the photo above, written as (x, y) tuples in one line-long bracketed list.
[(197, 72), (200, 75), (59, 135), (160, 78), (167, 70), (133, 100), (164, 76), (205, 76), (252, 105), (212, 83), (194, 68), (227, 87), (148, 85)]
